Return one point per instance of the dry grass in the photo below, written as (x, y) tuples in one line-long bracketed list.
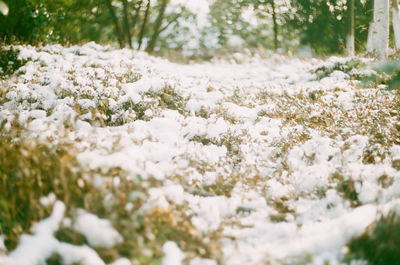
[(30, 170)]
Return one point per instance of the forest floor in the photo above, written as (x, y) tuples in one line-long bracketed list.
[(116, 157)]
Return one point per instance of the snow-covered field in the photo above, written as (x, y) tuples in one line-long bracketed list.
[(262, 159)]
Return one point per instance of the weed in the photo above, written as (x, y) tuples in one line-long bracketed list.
[(202, 139), (385, 181), (396, 164), (392, 70), (282, 210), (230, 141), (54, 259), (203, 113), (346, 67), (222, 187), (346, 188), (379, 244), (69, 235), (169, 98), (9, 62), (30, 170)]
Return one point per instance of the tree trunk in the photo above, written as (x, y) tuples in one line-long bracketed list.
[(136, 16), (378, 37), (157, 27), (396, 23), (116, 24), (127, 26), (275, 25), (369, 39), (144, 23), (350, 46)]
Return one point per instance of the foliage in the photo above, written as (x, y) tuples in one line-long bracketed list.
[(27, 21), (322, 24), (392, 69), (385, 73), (9, 61), (164, 25), (346, 67), (379, 244), (250, 22)]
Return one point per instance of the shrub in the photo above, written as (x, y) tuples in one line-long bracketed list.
[(27, 21), (379, 244), (344, 66), (30, 170), (392, 69), (9, 62)]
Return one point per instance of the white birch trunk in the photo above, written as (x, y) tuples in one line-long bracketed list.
[(369, 40), (396, 23), (370, 30), (378, 36), (350, 46)]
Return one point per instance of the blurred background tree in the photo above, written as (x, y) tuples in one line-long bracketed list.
[(322, 24), (191, 27)]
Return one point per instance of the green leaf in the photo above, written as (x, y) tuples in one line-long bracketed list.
[(3, 8)]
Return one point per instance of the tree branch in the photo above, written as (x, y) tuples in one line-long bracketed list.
[(169, 23)]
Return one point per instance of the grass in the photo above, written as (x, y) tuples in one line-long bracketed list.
[(379, 244)]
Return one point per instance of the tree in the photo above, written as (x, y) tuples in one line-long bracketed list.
[(138, 6), (127, 26), (350, 46), (378, 36), (275, 25), (144, 24), (157, 26), (321, 24), (116, 23), (126, 17), (396, 23)]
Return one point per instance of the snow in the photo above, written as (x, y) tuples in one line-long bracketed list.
[(98, 232), (78, 254), (199, 261), (48, 200), (37, 248), (121, 261), (173, 255), (255, 149)]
